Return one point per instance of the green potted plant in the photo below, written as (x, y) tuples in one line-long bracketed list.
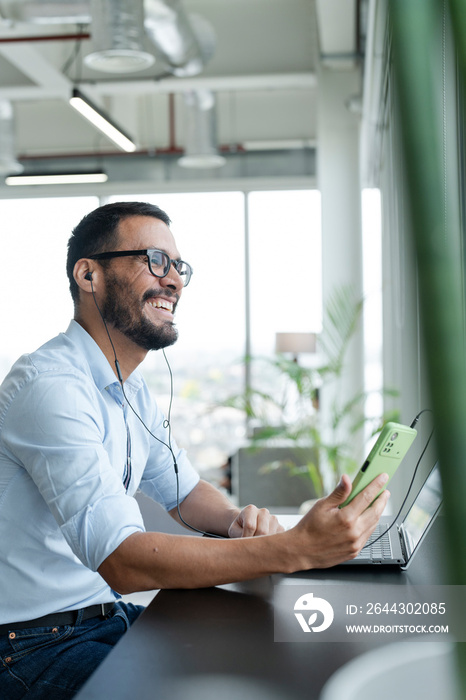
[(290, 413)]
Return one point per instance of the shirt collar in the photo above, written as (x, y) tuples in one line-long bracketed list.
[(101, 370)]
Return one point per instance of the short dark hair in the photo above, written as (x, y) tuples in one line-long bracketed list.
[(98, 232)]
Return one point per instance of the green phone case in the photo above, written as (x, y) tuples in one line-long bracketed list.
[(387, 454)]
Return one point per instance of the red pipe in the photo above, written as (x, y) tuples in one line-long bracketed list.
[(170, 150), (57, 37)]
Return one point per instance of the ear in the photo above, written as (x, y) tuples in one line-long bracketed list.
[(86, 277)]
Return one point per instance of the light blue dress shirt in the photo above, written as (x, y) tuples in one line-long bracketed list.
[(63, 453)]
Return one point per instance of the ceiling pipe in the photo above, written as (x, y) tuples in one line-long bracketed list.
[(172, 145), (175, 151), (44, 37), (201, 149), (184, 43)]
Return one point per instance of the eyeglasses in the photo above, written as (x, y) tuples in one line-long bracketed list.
[(158, 261)]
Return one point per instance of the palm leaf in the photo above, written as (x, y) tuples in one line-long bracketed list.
[(341, 317)]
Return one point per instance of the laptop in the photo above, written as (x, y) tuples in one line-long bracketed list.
[(398, 545)]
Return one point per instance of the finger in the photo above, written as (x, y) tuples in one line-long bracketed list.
[(235, 530), (267, 524), (277, 526), (248, 521), (341, 492), (371, 516), (364, 499), (377, 507)]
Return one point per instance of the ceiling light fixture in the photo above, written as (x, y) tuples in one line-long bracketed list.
[(101, 121), (56, 178)]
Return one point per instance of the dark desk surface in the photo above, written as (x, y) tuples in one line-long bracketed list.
[(219, 642)]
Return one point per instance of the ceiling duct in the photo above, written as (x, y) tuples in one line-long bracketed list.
[(117, 32), (200, 139), (183, 42), (8, 162)]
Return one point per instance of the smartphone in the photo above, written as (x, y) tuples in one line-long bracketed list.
[(386, 456)]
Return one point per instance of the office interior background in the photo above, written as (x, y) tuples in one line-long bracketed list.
[(267, 130)]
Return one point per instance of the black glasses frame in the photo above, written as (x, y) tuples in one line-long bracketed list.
[(177, 264)]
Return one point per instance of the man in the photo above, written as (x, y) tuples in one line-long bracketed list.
[(80, 434)]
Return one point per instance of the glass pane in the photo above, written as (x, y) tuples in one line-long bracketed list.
[(285, 288), (209, 233), (285, 265), (286, 296), (36, 302)]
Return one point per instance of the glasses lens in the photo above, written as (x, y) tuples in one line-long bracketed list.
[(159, 262), (185, 271)]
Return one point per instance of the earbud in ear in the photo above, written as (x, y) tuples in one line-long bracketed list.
[(88, 276)]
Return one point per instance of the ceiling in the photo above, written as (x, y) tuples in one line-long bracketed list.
[(263, 73)]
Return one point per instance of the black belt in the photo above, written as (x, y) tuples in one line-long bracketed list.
[(61, 618)]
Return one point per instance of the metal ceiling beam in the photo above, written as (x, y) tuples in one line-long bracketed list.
[(49, 81), (38, 69), (217, 83), (53, 89)]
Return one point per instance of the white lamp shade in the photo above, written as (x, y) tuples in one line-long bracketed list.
[(296, 343)]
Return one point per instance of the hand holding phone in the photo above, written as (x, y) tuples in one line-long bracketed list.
[(387, 454)]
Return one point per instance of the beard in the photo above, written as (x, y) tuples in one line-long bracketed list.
[(125, 312)]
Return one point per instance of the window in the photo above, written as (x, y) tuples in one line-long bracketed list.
[(285, 280), (283, 230), (285, 265), (36, 302)]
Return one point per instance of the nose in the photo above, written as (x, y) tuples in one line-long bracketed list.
[(172, 280)]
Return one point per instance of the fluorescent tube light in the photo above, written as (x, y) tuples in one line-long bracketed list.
[(56, 179), (101, 121)]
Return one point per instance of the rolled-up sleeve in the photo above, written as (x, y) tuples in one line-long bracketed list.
[(55, 431)]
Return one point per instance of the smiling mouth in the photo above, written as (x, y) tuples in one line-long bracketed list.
[(161, 304)]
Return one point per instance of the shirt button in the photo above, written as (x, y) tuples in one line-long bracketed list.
[(12, 635)]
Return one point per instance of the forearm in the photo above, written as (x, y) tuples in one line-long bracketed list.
[(151, 560), (206, 509), (325, 536)]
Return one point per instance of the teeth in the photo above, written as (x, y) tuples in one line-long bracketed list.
[(162, 304)]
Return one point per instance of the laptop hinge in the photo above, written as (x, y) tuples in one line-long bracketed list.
[(401, 535)]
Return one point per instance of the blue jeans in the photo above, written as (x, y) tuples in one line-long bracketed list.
[(54, 662)]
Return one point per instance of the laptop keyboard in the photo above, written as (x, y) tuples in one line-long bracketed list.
[(382, 549)]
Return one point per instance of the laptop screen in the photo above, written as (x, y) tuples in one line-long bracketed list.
[(422, 512)]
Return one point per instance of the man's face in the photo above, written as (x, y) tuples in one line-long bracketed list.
[(136, 303)]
